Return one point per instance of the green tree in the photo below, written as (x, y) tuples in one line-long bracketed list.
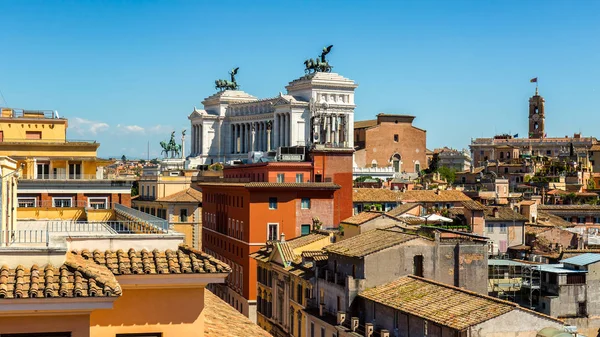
[(449, 174), (135, 189)]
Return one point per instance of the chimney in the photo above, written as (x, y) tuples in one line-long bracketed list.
[(341, 317), (368, 329), (282, 237), (495, 212), (354, 323), (321, 309), (384, 333)]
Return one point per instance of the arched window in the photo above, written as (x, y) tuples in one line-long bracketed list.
[(396, 162), (374, 163), (417, 166)]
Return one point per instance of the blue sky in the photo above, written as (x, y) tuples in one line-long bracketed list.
[(129, 72)]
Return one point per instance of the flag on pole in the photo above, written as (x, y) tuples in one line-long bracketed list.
[(533, 80)]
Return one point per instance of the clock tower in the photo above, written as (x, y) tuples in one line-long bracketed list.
[(536, 116)]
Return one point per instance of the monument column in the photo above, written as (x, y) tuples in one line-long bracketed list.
[(253, 144), (268, 136), (183, 144)]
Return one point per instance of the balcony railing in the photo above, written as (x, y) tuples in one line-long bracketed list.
[(156, 224), (38, 233), (22, 113)]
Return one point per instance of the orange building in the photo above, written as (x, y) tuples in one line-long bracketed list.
[(108, 293), (262, 201)]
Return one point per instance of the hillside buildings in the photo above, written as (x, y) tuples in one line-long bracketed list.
[(507, 148)]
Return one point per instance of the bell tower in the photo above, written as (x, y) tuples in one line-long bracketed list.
[(536, 116)]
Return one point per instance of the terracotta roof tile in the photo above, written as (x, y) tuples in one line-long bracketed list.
[(434, 196), (365, 124), (221, 319), (442, 304), (370, 242), (361, 218), (304, 240), (375, 195), (75, 278), (547, 219), (473, 205), (182, 261), (401, 209), (188, 195), (316, 255), (504, 214)]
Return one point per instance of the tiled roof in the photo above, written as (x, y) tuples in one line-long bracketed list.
[(547, 219), (221, 319), (188, 195), (442, 304), (370, 242), (287, 254), (434, 196), (584, 207), (317, 255), (304, 240), (473, 205), (375, 195), (504, 214), (365, 124), (182, 261), (75, 278), (401, 209), (361, 218)]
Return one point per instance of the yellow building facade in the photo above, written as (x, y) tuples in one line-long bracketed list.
[(284, 282), (55, 171)]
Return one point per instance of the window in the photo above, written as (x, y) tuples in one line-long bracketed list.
[(43, 171), (318, 178), (581, 219), (396, 138), (322, 332), (374, 163), (97, 203), (27, 202), (305, 204), (273, 231), (489, 228), (418, 265), (548, 152), (280, 177), (272, 203), (417, 167), (183, 215), (33, 134), (299, 177), (153, 191), (75, 171), (576, 278), (305, 229), (503, 228), (312, 329), (62, 202)]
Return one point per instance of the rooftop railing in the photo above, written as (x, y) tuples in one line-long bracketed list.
[(153, 223), (22, 113)]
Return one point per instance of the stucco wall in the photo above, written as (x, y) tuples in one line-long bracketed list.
[(78, 325), (515, 323), (173, 312)]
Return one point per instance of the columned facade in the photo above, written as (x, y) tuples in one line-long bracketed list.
[(318, 109)]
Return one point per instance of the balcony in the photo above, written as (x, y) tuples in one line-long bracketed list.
[(126, 222)]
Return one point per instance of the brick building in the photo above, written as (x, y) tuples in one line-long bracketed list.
[(258, 202), (390, 141)]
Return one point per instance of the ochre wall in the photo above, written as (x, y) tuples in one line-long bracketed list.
[(172, 312), (43, 213), (380, 145), (51, 129), (78, 325)]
